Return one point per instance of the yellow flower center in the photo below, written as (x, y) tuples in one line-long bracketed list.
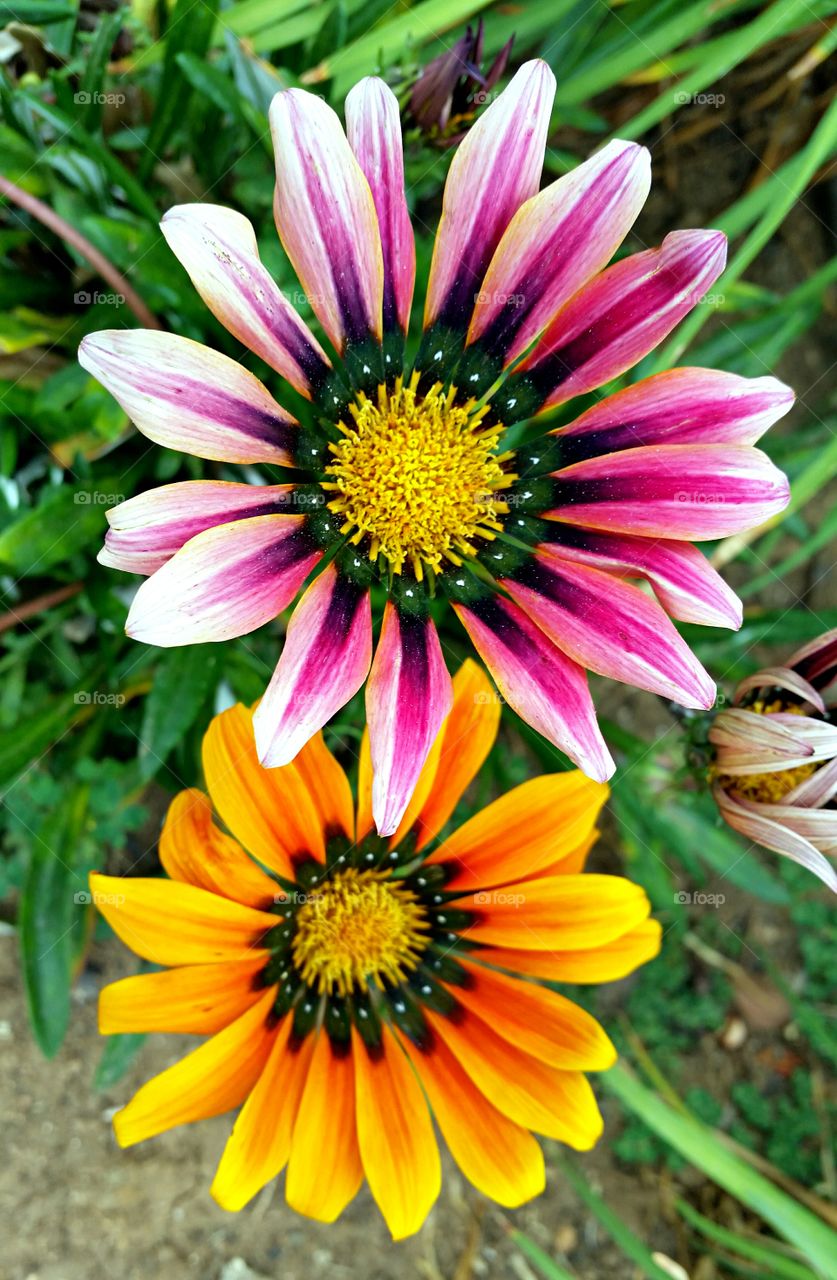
[(419, 476), (769, 788), (361, 927)]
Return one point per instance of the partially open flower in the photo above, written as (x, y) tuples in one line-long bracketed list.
[(451, 88), (775, 770), (351, 985)]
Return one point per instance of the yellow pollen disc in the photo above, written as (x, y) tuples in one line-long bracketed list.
[(769, 788), (419, 476), (361, 927)]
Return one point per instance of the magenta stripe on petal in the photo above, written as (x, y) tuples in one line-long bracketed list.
[(611, 627), (684, 581), (188, 397), (326, 217), (622, 314), (325, 659), (538, 681), (408, 696), (218, 249), (672, 491), (494, 170), (555, 243), (683, 406), (225, 582), (146, 531), (373, 125)]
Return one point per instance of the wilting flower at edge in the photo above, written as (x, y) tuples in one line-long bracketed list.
[(407, 481), (775, 767), (345, 1012), (448, 90)]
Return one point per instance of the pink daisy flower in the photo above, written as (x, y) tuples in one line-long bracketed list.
[(408, 484)]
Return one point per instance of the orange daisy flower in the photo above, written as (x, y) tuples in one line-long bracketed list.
[(353, 985)]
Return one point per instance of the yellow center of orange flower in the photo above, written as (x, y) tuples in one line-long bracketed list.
[(419, 476), (361, 927)]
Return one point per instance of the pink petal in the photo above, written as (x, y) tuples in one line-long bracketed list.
[(408, 696), (373, 125), (325, 660), (672, 491), (494, 170), (781, 678), (817, 662), (610, 627), (545, 687), (218, 249), (225, 582), (683, 579), (755, 823), (623, 314), (555, 242), (816, 791), (147, 530), (188, 397), (683, 406), (326, 217)]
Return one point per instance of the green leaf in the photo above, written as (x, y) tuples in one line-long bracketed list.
[(117, 1056), (619, 1231), (64, 523), (541, 1260), (781, 1267), (33, 734), (702, 1147), (37, 11), (51, 922), (183, 680), (189, 31)]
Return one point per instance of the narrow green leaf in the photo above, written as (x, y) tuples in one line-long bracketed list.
[(616, 1228), (701, 1147), (782, 1267), (53, 905), (536, 1255), (117, 1056)]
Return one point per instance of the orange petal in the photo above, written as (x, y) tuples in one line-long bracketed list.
[(269, 810), (324, 1170), (558, 1104), (572, 863), (500, 1158), (573, 912), (328, 786), (536, 824), (193, 849), (540, 1022), (467, 737), (607, 963), (172, 923), (395, 1135), (199, 999), (365, 821), (259, 1145), (213, 1079)]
